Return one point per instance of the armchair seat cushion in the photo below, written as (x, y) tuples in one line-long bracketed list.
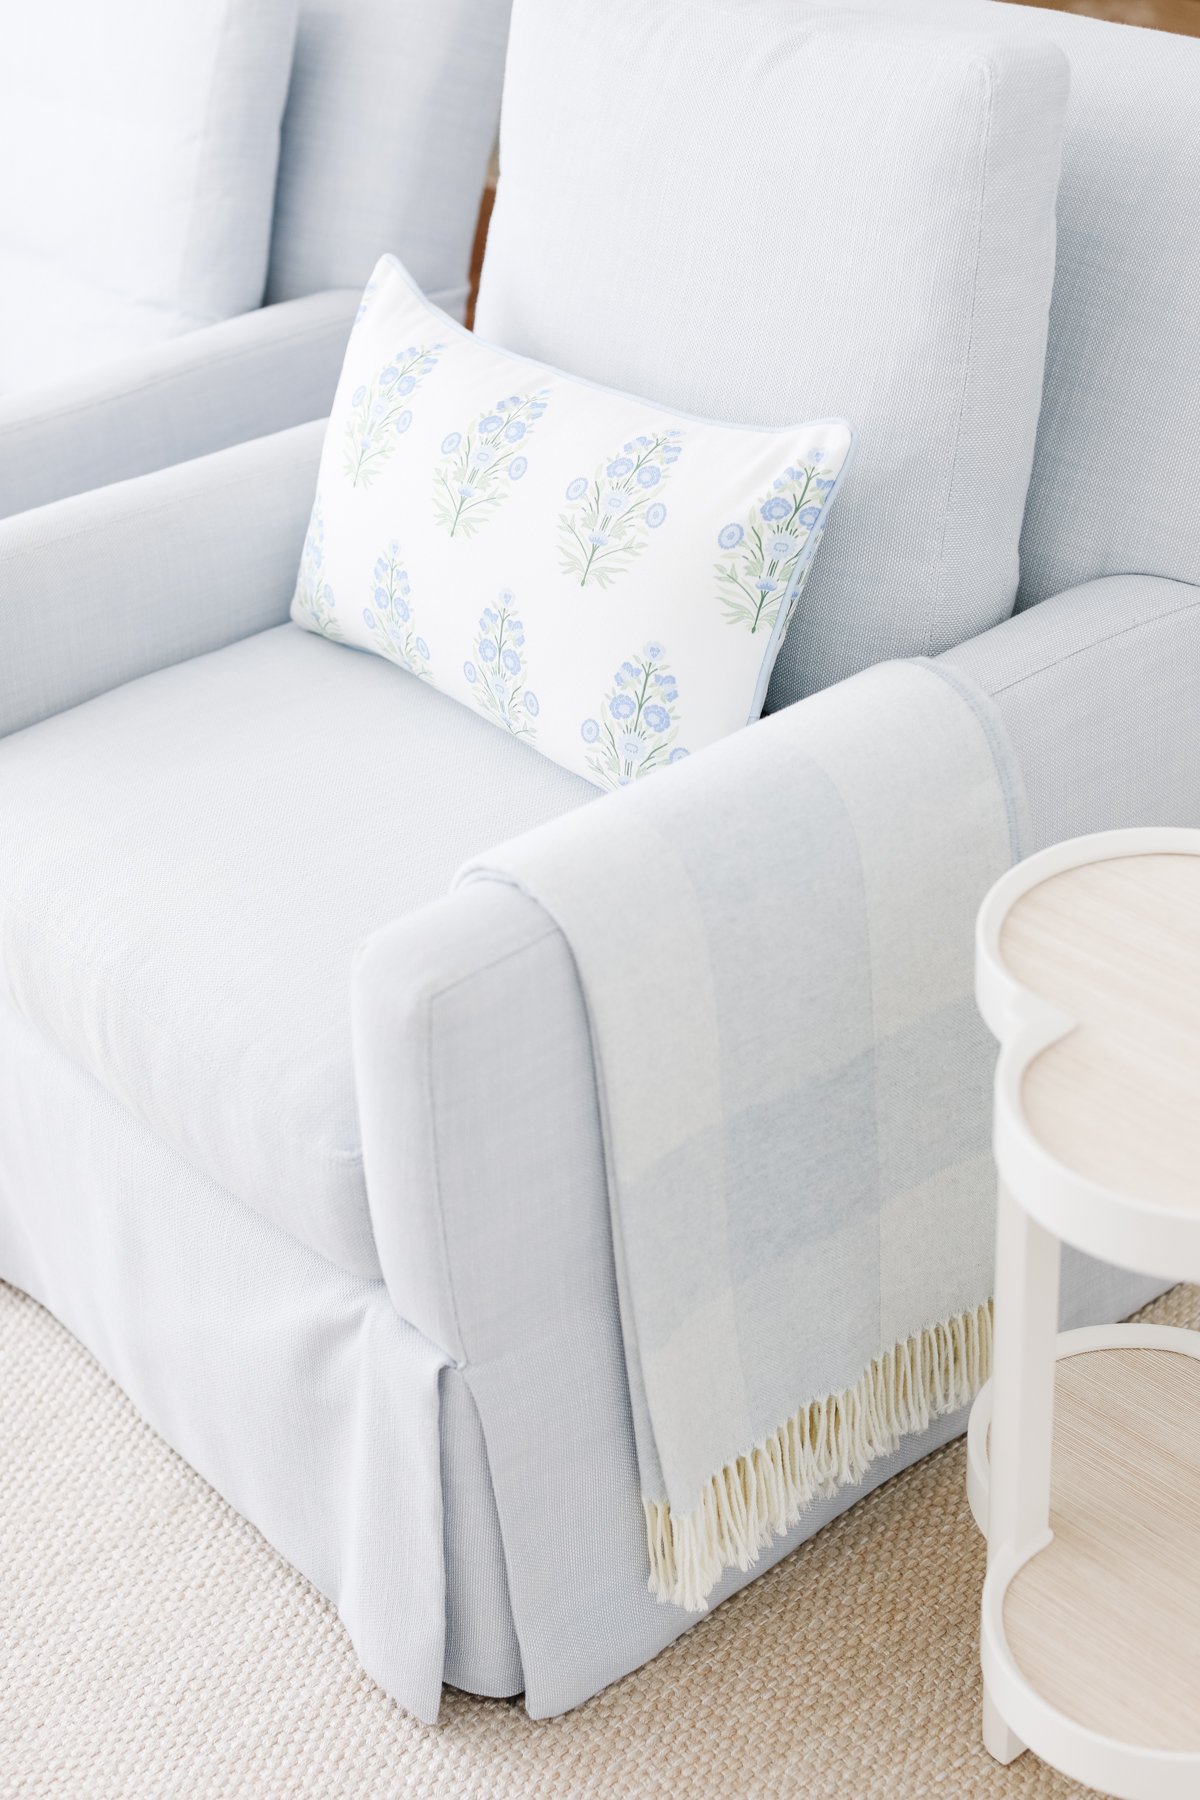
[(186, 866)]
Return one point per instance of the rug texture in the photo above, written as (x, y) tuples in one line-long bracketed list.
[(152, 1644)]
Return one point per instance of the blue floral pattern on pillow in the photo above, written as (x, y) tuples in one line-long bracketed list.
[(379, 412), (314, 597), (389, 618), (478, 467), (638, 724), (610, 516), (764, 552), (497, 670)]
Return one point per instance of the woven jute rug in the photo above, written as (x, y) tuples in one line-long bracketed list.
[(152, 1644)]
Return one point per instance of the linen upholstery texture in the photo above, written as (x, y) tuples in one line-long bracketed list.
[(390, 122), (149, 572), (1115, 470), (263, 372), (141, 144), (707, 293), (178, 911), (290, 1384)]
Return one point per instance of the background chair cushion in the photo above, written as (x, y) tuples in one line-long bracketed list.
[(390, 123), (771, 212), (139, 142), (189, 862)]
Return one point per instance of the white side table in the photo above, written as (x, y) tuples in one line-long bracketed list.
[(1088, 972)]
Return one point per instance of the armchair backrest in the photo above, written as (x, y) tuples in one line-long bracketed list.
[(390, 121), (1116, 478), (767, 211)]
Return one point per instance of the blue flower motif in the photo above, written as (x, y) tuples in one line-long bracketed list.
[(403, 422), (678, 754), (483, 456), (653, 651), (631, 746), (765, 585), (656, 717), (422, 648), (511, 661), (781, 546), (776, 508), (630, 668), (730, 536), (491, 422), (514, 431), (808, 517), (622, 706), (359, 395), (451, 442), (577, 488), (613, 501), (517, 467), (470, 671), (487, 650), (532, 704), (589, 731), (655, 515), (619, 467), (649, 475), (369, 616), (405, 386)]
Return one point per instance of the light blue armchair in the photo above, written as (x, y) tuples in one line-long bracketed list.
[(389, 123), (270, 1144)]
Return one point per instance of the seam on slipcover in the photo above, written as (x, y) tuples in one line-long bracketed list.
[(1109, 637), (463, 1360)]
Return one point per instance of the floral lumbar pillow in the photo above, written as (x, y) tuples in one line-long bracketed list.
[(602, 577)]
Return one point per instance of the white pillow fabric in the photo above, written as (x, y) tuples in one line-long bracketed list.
[(603, 578), (761, 209), (138, 143)]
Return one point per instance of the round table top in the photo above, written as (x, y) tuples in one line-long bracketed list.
[(1088, 971)]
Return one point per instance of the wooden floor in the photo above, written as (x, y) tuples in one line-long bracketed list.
[(1160, 15)]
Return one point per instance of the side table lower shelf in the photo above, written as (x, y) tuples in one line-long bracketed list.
[(1092, 1645)]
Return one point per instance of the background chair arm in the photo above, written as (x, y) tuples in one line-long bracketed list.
[(245, 378), (108, 585)]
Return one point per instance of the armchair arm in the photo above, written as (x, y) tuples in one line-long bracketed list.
[(1099, 689), (108, 585), (244, 378), (482, 1143)]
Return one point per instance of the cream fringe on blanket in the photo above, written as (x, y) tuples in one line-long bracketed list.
[(826, 1445)]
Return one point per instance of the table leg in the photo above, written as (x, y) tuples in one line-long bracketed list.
[(1027, 1265)]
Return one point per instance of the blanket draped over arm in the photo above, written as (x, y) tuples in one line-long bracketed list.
[(775, 946)]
